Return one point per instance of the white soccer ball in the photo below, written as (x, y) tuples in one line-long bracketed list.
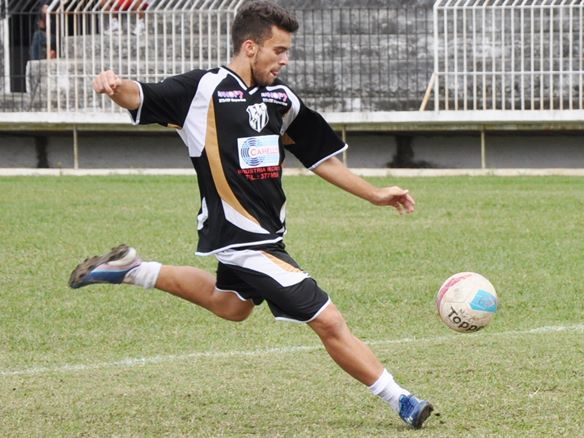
[(467, 302)]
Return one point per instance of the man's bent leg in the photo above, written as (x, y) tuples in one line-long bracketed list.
[(357, 359), (198, 287), (123, 265), (349, 352)]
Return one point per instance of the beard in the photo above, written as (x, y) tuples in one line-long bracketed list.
[(261, 79)]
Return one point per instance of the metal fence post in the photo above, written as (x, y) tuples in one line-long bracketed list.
[(483, 148), (4, 40), (75, 148)]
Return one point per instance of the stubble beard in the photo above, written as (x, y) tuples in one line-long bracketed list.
[(262, 81)]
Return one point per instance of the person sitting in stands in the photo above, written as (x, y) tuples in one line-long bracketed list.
[(115, 6)]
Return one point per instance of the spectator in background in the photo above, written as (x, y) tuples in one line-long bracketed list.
[(114, 6), (38, 46)]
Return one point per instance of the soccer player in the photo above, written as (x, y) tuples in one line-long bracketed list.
[(236, 122)]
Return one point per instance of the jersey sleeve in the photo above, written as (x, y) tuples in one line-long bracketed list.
[(311, 139), (167, 103)]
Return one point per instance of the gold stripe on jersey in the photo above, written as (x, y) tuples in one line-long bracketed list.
[(212, 149), (281, 263), (287, 140)]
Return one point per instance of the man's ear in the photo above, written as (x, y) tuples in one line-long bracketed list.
[(249, 48)]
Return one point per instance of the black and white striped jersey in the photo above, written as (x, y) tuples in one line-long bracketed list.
[(236, 137)]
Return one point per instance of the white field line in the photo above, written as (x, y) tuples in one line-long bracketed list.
[(134, 362)]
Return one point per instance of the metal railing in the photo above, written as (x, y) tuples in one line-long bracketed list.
[(343, 59), (144, 41), (151, 40), (469, 55), (508, 55)]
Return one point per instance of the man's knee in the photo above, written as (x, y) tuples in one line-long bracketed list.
[(237, 315), (230, 307), (330, 323)]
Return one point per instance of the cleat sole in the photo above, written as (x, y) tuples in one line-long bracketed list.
[(424, 414), (76, 280)]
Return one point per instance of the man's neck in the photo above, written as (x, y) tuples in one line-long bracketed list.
[(241, 66)]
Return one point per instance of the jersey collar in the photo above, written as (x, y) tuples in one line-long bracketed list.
[(250, 90)]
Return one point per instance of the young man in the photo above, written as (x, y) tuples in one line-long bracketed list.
[(236, 122)]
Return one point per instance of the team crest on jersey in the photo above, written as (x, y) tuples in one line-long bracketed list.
[(258, 116)]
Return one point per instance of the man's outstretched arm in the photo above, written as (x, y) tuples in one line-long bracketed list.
[(335, 172), (123, 92)]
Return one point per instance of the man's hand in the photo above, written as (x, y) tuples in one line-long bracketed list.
[(335, 172), (396, 197), (106, 82), (122, 91)]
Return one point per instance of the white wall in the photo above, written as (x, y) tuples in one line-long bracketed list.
[(106, 150)]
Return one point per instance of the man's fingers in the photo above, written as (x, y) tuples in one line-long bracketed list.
[(106, 82), (404, 203), (109, 85)]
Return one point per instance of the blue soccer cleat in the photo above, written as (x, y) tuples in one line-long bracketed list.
[(109, 268), (414, 411)]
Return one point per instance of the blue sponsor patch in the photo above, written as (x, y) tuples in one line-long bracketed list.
[(484, 301), (260, 151)]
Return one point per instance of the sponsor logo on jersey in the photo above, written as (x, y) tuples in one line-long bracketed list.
[(258, 151), (230, 96), (258, 116), (278, 97)]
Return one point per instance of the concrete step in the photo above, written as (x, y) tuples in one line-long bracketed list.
[(127, 45), (304, 74), (364, 21), (64, 71), (340, 76), (22, 102), (130, 46), (70, 81)]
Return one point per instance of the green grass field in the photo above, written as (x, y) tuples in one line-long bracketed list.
[(122, 361)]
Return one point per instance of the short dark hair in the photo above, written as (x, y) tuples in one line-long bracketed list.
[(255, 19)]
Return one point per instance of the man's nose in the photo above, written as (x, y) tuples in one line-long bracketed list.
[(284, 58)]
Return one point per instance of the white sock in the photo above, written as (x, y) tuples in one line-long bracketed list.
[(145, 275), (386, 388)]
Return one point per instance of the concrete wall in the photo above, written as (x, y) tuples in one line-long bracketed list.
[(366, 150)]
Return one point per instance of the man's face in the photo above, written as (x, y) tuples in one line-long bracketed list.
[(271, 57)]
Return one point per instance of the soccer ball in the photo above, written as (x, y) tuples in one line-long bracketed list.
[(467, 302)]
